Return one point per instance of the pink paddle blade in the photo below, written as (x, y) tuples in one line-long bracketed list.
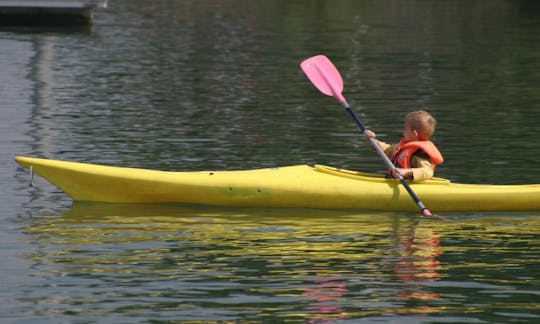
[(324, 76)]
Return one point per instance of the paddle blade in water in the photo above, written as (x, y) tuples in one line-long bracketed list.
[(428, 214), (324, 75)]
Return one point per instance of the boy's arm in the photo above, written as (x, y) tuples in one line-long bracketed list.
[(422, 169), (387, 148)]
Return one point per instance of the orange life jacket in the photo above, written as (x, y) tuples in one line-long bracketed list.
[(403, 153)]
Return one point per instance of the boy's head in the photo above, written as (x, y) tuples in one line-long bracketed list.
[(421, 123)]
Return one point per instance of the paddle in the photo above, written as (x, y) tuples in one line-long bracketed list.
[(325, 77)]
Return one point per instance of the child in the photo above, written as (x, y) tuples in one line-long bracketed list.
[(415, 157)]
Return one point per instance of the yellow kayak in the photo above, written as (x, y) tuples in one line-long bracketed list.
[(316, 186)]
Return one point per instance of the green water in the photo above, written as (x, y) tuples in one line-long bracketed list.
[(180, 85)]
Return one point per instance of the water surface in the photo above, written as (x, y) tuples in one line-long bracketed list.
[(178, 85)]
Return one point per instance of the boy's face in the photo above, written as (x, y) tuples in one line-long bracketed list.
[(410, 135)]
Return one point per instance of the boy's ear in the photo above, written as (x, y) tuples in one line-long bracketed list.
[(418, 136)]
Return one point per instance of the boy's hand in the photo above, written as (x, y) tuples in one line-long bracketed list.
[(369, 134), (405, 173)]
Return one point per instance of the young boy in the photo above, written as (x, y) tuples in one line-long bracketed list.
[(415, 157)]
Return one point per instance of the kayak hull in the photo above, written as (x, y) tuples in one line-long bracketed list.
[(291, 186)]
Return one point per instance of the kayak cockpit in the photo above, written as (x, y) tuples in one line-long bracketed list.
[(372, 177)]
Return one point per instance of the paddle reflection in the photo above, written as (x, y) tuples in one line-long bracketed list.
[(328, 294), (418, 251)]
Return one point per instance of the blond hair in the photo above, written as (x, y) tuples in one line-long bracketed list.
[(422, 122)]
